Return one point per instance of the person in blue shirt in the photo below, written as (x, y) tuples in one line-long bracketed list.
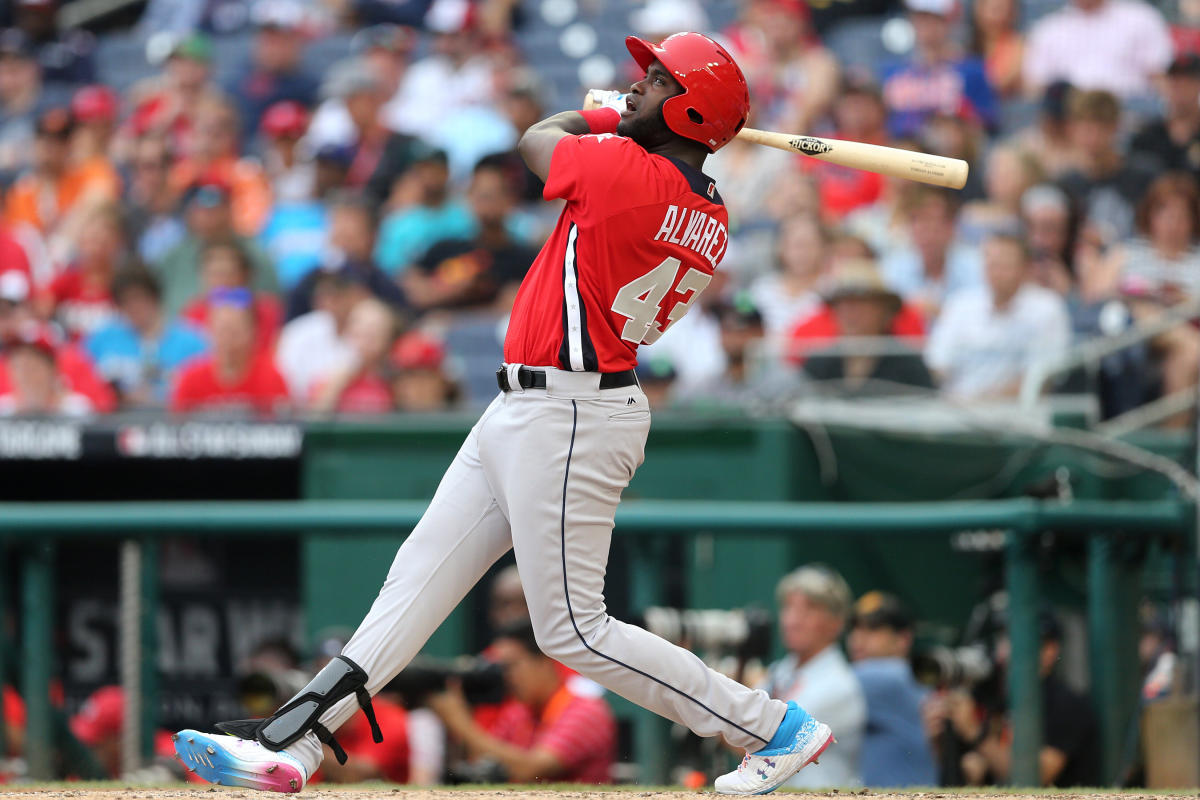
[(895, 749), (276, 70), (936, 78), (140, 351)]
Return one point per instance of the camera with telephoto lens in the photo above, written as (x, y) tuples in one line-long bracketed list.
[(959, 667), (741, 632), (482, 680)]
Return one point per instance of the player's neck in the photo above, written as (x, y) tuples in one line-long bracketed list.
[(689, 153)]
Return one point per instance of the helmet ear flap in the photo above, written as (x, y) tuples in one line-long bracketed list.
[(695, 116)]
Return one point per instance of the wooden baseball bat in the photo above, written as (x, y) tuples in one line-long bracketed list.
[(891, 161)]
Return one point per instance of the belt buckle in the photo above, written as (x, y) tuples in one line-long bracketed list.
[(502, 379)]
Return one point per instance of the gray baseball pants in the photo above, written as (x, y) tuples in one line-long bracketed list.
[(542, 472)]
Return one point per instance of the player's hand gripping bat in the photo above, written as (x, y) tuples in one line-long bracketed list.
[(891, 161)]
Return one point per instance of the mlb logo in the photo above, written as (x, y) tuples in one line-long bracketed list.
[(712, 191)]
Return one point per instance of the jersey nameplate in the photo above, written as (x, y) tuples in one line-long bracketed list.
[(696, 231)]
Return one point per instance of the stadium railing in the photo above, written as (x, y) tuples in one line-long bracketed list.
[(29, 531)]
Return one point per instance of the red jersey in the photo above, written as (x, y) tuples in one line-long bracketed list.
[(636, 243), (261, 389)]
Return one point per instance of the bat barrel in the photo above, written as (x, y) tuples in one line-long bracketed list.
[(924, 167)]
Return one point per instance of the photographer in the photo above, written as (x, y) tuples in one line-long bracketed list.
[(895, 750), (1069, 745), (551, 733)]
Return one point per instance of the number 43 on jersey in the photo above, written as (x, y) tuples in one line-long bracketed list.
[(641, 300)]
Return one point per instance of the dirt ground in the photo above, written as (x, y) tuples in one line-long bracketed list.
[(383, 792)]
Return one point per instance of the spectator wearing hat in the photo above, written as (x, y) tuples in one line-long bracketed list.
[(895, 751), (937, 78), (80, 298), (209, 217), (35, 386), (215, 155), (165, 105), (1173, 140), (22, 99), (153, 213), (275, 71), (54, 194), (290, 174), (936, 263), (313, 343), (814, 604), (349, 251), (478, 272), (425, 212), (141, 350), (861, 305), (95, 110), (1049, 138), (1069, 737), (67, 57), (1117, 46), (420, 381), (74, 366), (359, 385), (988, 337), (750, 379), (225, 264), (238, 378)]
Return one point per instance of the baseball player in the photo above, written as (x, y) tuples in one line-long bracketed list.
[(542, 471)]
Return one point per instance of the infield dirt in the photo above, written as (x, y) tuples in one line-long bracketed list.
[(384, 792)]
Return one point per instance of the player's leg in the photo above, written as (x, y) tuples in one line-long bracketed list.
[(461, 534), (560, 465)]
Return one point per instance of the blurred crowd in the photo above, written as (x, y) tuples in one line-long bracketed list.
[(284, 242)]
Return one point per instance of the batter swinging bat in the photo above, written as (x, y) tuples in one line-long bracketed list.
[(891, 161)]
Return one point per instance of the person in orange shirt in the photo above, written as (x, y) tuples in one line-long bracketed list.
[(55, 194), (215, 157)]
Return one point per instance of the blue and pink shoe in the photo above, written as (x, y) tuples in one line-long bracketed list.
[(800, 741), (229, 761)]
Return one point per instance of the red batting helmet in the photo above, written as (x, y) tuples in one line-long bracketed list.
[(715, 99)]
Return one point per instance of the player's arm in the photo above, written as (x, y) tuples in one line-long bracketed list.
[(538, 143)]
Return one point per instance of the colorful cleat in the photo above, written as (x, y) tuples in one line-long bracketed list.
[(229, 761), (766, 770)]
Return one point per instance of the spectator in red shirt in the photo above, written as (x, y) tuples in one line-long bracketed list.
[(37, 388), (100, 724), (358, 386), (420, 382), (860, 116), (74, 367), (553, 734), (238, 377), (80, 299), (225, 264)]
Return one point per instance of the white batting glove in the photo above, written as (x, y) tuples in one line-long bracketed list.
[(604, 98)]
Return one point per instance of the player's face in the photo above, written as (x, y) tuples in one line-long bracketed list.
[(642, 120)]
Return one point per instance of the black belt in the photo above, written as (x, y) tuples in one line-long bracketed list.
[(536, 379)]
